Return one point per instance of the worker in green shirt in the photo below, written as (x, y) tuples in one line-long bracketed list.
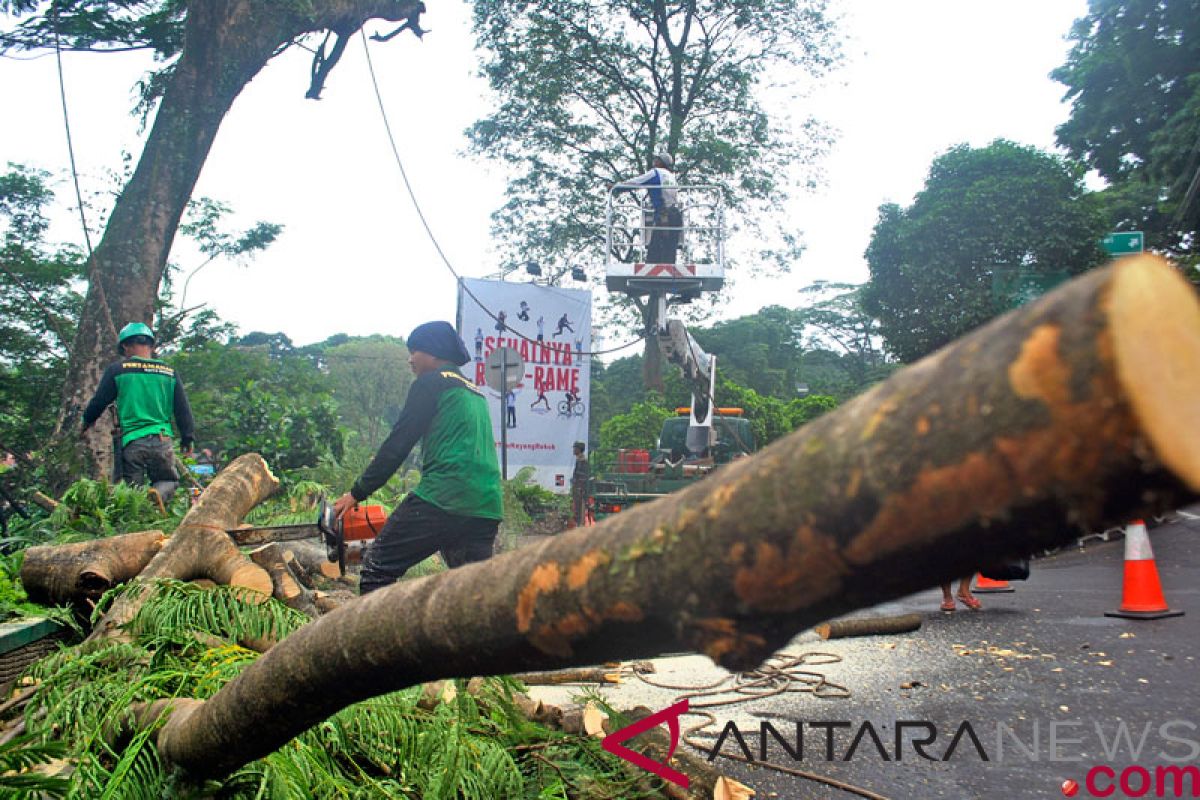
[(147, 393), (458, 504)]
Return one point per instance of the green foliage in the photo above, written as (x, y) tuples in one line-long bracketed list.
[(638, 428), (39, 305), (338, 474), (477, 745), (588, 92), (371, 379), (18, 757), (985, 217), (90, 509), (761, 351), (771, 417), (1133, 80), (531, 497), (289, 433)]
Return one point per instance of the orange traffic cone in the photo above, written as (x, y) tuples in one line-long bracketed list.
[(988, 586), (1141, 596)]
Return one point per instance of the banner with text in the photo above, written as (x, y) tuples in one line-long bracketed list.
[(548, 410)]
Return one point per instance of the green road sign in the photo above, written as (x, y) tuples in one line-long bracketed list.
[(1016, 287), (1122, 244)]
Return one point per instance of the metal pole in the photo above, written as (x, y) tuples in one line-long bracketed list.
[(504, 413)]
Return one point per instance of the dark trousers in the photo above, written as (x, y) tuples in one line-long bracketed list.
[(151, 459), (415, 531), (664, 237), (579, 506)]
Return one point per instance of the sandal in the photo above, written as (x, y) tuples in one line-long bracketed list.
[(970, 602), (948, 606)]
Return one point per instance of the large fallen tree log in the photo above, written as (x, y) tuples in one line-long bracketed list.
[(1068, 415), (65, 573), (200, 547)]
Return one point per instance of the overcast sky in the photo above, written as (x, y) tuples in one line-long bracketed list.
[(921, 76)]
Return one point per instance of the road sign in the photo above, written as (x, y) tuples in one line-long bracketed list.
[(1124, 243), (503, 360)]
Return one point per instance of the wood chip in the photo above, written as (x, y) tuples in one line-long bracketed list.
[(729, 789), (593, 720)]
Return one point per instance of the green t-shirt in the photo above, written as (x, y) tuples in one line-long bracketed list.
[(459, 470), (147, 393)]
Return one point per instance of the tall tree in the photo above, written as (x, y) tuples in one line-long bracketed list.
[(370, 380), (1133, 79), (211, 50), (38, 310), (843, 352), (589, 91), (1001, 215)]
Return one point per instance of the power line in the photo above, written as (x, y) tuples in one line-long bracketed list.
[(429, 231)]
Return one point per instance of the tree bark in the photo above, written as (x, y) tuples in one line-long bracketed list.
[(66, 573), (1067, 415), (226, 43), (200, 547), (286, 587), (652, 377)]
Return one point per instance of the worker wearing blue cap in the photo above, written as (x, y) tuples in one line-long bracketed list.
[(456, 509)]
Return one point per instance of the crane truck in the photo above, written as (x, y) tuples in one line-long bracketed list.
[(701, 438)]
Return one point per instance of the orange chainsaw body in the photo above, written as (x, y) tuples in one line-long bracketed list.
[(362, 523)]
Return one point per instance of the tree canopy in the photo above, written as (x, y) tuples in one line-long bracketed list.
[(989, 224), (588, 92), (1133, 80)]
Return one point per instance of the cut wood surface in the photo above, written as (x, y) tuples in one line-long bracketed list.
[(200, 546), (311, 556), (65, 573), (868, 626), (286, 588), (1019, 437)]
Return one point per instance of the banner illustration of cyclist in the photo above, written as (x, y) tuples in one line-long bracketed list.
[(548, 410)]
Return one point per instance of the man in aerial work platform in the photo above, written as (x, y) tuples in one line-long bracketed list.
[(663, 220), (147, 393), (457, 506)]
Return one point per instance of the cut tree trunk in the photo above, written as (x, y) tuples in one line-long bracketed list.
[(287, 588), (200, 546), (67, 573), (311, 556), (1064, 416)]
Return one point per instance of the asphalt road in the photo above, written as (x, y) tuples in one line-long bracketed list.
[(1045, 682)]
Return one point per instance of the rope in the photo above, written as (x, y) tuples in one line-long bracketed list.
[(93, 278), (429, 231), (782, 673)]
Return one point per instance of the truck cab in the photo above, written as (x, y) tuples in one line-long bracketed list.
[(630, 476)]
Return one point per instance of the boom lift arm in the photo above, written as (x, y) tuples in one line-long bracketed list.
[(699, 369)]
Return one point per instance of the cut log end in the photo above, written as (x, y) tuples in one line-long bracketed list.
[(1155, 319), (252, 576)]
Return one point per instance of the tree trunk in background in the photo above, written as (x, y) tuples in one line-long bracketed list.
[(1064, 416), (226, 43), (652, 377)]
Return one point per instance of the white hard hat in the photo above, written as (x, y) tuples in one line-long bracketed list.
[(666, 160)]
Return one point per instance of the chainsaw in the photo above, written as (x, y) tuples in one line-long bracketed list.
[(359, 524)]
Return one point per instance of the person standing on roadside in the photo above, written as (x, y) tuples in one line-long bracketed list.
[(579, 485)]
